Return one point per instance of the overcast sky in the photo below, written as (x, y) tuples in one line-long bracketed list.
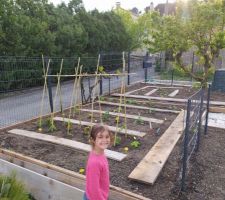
[(105, 5)]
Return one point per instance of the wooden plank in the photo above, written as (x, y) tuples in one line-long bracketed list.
[(151, 92), (151, 165), (63, 175), (111, 128), (66, 142), (159, 121), (132, 91), (140, 107), (149, 97), (216, 103), (168, 82), (217, 109), (41, 187), (174, 93)]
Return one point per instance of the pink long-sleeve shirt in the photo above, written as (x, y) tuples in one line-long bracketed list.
[(97, 177)]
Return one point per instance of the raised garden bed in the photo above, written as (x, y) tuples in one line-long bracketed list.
[(72, 159)]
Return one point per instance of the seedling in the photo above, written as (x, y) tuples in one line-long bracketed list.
[(139, 120), (101, 69), (150, 111), (87, 130), (117, 141), (131, 101), (90, 115), (75, 110), (51, 125), (105, 116), (117, 119), (102, 98), (118, 71), (69, 127), (135, 144)]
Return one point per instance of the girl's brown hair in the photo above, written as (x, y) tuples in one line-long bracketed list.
[(99, 128)]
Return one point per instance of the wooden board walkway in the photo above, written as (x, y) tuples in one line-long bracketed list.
[(158, 121), (140, 107), (151, 92), (111, 128), (137, 90), (66, 142), (63, 175), (215, 103), (174, 93), (151, 165)]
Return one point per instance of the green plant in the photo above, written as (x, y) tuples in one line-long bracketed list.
[(11, 189), (101, 69), (131, 101), (105, 116), (117, 119), (150, 111), (101, 98), (51, 125), (117, 140), (135, 144), (139, 120), (69, 126), (87, 130), (196, 85), (75, 110)]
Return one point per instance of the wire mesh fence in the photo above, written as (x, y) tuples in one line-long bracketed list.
[(196, 125), (22, 80)]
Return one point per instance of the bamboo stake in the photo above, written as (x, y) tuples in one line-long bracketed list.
[(44, 89), (71, 103), (119, 109), (94, 89), (76, 93)]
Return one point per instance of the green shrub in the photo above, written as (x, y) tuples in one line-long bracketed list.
[(11, 189)]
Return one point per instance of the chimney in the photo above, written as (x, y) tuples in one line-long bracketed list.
[(118, 4)]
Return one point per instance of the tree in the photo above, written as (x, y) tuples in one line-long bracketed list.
[(199, 27)]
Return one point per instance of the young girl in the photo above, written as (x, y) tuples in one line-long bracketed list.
[(97, 169)]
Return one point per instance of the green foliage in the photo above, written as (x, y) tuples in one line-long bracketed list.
[(135, 144), (105, 116), (69, 126), (101, 98), (87, 130), (117, 140), (131, 101), (51, 125), (139, 120), (198, 25), (34, 27), (11, 189)]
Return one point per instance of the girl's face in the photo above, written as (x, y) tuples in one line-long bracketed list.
[(102, 141)]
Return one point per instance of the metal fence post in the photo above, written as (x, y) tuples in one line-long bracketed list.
[(207, 110), (49, 85), (192, 65), (172, 76), (185, 146), (199, 121), (109, 85), (128, 69)]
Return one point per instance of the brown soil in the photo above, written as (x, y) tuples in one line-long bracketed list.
[(206, 180)]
